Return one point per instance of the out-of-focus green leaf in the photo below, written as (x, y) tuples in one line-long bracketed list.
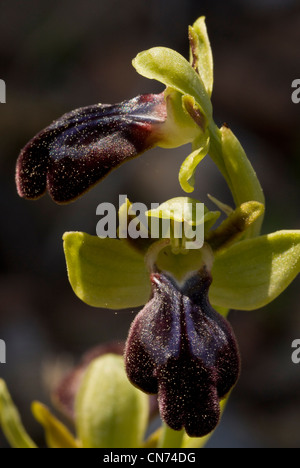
[(11, 423), (57, 435), (110, 411)]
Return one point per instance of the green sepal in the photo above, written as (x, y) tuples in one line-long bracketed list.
[(253, 272), (56, 433), (172, 69), (106, 273)]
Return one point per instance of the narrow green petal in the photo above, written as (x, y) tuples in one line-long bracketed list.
[(57, 435), (11, 423), (222, 206), (253, 272), (172, 69), (110, 411), (106, 273), (189, 165), (201, 54)]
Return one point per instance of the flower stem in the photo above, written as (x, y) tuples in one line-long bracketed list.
[(170, 438)]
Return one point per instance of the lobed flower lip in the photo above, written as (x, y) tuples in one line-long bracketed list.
[(80, 148), (180, 348)]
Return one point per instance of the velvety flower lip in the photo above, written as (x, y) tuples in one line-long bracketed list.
[(182, 349), (80, 148)]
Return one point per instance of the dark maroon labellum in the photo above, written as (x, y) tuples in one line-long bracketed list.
[(181, 348), (82, 147)]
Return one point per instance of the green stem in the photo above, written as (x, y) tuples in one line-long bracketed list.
[(170, 438)]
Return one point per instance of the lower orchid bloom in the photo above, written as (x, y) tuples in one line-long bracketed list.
[(181, 348)]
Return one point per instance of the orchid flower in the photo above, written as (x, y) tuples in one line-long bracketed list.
[(180, 345)]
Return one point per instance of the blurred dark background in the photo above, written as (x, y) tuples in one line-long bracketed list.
[(59, 55)]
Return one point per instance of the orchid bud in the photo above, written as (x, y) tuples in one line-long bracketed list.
[(110, 412)]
